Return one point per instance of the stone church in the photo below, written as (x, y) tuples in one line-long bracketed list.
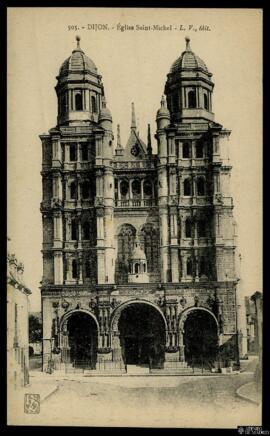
[(138, 248)]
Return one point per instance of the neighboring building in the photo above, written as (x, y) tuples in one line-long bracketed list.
[(254, 318), (138, 248), (254, 322), (17, 324), (251, 326), (35, 343)]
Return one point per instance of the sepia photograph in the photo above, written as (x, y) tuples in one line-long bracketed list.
[(134, 228)]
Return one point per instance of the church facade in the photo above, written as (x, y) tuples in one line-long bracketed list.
[(138, 247)]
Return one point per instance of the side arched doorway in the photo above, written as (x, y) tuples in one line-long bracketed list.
[(142, 335), (82, 335), (200, 337)]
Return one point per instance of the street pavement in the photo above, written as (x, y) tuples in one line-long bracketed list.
[(172, 401)]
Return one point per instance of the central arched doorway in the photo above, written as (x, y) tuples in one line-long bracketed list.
[(200, 337), (82, 339), (142, 335)]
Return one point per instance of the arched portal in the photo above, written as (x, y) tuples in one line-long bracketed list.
[(81, 330), (200, 336), (142, 335)]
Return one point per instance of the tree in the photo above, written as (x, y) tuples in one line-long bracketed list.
[(35, 329)]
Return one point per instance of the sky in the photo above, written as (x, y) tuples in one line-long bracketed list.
[(134, 65)]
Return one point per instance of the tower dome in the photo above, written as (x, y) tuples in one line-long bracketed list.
[(77, 62), (189, 88), (189, 61), (79, 89)]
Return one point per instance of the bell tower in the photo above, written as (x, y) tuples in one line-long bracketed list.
[(79, 89), (189, 88)]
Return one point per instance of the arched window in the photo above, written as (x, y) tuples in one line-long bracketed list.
[(84, 151), (192, 99), (175, 103), (205, 102), (72, 152), (188, 228), (124, 189), (74, 269), (86, 230), (201, 229), (149, 241), (63, 104), (85, 187), (187, 187), (144, 267), (137, 268), (147, 188), (189, 267), (199, 150), (93, 104), (186, 150), (125, 246), (200, 186), (72, 190), (78, 102), (87, 268), (73, 230), (136, 188), (202, 267)]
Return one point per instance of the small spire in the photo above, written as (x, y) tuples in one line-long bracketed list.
[(78, 38), (163, 101), (133, 118), (118, 137), (149, 146), (187, 38)]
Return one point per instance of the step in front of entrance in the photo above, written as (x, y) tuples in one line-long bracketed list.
[(137, 369), (176, 371)]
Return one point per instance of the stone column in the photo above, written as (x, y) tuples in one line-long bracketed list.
[(66, 157), (181, 345), (79, 194), (183, 97), (69, 100), (46, 332), (58, 267), (119, 190), (201, 102), (196, 259), (142, 195), (164, 244), (175, 264), (195, 231), (79, 232), (216, 152), (68, 227), (80, 269), (68, 268), (56, 151), (130, 188), (79, 153), (100, 245), (184, 266)]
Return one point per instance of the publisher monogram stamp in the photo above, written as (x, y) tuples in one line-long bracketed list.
[(31, 403)]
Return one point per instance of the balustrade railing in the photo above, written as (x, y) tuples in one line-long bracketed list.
[(134, 203)]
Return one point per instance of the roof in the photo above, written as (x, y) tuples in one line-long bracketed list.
[(188, 61), (77, 62)]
